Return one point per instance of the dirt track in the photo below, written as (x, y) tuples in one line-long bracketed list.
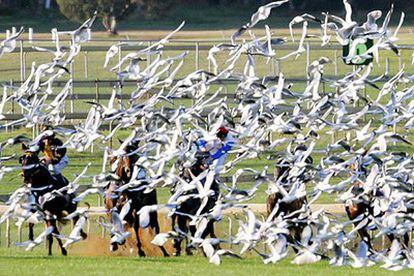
[(259, 208), (96, 245)]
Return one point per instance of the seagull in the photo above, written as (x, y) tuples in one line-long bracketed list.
[(301, 47), (114, 50), (9, 44), (214, 256), (90, 191), (361, 259), (300, 19), (75, 234), (83, 33), (39, 239), (262, 13), (161, 238)]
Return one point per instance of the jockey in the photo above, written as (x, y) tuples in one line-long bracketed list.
[(55, 157), (218, 148)]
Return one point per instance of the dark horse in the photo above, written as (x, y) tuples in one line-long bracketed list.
[(191, 205), (55, 207), (124, 169)]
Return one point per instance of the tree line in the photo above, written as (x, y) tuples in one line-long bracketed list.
[(112, 11)]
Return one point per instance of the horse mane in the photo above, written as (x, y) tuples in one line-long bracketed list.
[(41, 176)]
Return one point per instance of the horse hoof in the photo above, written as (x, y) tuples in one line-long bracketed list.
[(64, 252), (176, 254), (113, 247), (189, 253), (84, 236), (141, 253)]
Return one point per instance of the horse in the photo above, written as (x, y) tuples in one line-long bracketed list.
[(287, 208), (191, 206), (365, 206), (55, 205), (281, 174), (124, 166)]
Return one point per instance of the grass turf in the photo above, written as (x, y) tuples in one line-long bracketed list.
[(15, 262)]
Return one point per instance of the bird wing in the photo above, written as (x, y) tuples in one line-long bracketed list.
[(348, 9)]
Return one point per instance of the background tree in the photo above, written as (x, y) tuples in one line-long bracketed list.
[(155, 8), (111, 11)]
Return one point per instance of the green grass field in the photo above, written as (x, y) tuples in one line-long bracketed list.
[(14, 262)]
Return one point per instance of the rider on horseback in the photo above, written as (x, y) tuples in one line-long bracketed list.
[(218, 148), (55, 157)]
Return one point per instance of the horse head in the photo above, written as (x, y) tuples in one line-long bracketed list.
[(29, 161), (125, 163)]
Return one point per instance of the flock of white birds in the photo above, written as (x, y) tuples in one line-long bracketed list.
[(264, 109)]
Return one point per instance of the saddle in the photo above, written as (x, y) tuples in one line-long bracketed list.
[(59, 181)]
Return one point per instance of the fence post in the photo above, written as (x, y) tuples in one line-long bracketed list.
[(197, 56), (86, 64), (24, 65), (230, 232), (110, 131), (149, 55), (8, 233), (97, 90), (119, 55), (307, 58), (19, 229), (400, 65), (72, 73), (277, 67), (88, 227), (336, 62), (21, 61), (30, 35), (103, 231), (387, 67)]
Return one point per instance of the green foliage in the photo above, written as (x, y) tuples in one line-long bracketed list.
[(109, 10), (77, 10), (156, 8)]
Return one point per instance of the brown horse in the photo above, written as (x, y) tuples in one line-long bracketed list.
[(286, 209), (364, 206), (281, 174), (55, 207), (124, 169)]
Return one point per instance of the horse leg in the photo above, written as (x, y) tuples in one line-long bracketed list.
[(129, 240), (406, 240), (31, 234), (181, 222), (193, 230), (291, 239), (207, 231), (210, 231), (365, 236), (56, 232), (141, 252), (154, 225), (49, 238)]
